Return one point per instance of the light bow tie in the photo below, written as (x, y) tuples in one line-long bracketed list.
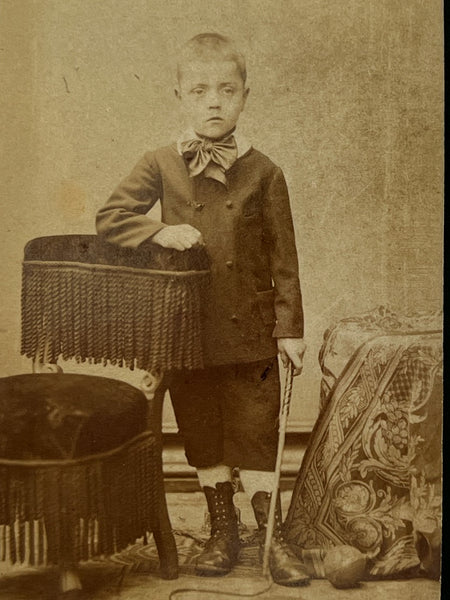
[(212, 157)]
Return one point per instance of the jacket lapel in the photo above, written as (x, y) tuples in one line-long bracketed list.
[(179, 184)]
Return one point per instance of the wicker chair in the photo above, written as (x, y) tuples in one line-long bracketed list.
[(81, 455)]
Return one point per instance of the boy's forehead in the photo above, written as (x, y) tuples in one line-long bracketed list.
[(206, 71)]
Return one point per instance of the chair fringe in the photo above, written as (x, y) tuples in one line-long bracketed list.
[(133, 318)]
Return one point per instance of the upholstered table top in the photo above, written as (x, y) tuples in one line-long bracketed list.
[(343, 338)]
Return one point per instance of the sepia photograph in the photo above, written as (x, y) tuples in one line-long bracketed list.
[(221, 346)]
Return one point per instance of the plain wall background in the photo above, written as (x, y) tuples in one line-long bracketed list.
[(346, 96)]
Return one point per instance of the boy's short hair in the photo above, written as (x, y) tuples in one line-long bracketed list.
[(210, 46)]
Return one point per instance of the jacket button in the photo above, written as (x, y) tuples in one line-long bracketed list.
[(199, 207), (234, 318), (229, 263), (229, 204)]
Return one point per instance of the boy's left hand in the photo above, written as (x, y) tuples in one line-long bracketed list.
[(292, 349)]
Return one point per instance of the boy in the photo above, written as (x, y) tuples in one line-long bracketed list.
[(216, 190)]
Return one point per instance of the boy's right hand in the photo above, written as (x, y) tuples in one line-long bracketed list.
[(179, 237)]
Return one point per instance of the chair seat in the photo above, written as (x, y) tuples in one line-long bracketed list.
[(67, 416)]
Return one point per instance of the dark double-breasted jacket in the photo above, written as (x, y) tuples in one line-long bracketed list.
[(254, 296)]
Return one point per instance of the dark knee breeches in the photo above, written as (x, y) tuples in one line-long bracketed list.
[(228, 414)]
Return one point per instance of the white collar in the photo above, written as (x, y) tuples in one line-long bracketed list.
[(242, 143)]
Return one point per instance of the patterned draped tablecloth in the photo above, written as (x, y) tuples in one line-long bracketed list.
[(371, 476)]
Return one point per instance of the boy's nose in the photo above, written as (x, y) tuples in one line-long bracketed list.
[(214, 100)]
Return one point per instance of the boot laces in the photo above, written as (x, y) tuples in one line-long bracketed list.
[(221, 519), (279, 539)]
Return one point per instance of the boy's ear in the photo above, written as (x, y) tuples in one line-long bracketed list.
[(177, 92), (246, 93)]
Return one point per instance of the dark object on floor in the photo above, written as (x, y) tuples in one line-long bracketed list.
[(285, 567), (222, 549), (345, 566)]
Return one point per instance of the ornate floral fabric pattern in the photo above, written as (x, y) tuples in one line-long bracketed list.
[(371, 475)]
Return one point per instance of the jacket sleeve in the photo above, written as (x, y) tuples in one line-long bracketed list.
[(279, 234), (122, 220)]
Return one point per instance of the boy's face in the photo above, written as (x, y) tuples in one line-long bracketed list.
[(212, 96)]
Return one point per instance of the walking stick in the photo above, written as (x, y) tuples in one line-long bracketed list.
[(284, 413)]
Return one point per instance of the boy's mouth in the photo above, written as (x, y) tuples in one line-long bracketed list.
[(215, 119)]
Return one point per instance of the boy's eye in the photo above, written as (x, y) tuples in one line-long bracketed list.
[(198, 91), (228, 91)]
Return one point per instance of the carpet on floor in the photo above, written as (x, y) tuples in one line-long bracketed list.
[(142, 557)]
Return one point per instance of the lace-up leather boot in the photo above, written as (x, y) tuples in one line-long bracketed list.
[(285, 567), (221, 550)]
